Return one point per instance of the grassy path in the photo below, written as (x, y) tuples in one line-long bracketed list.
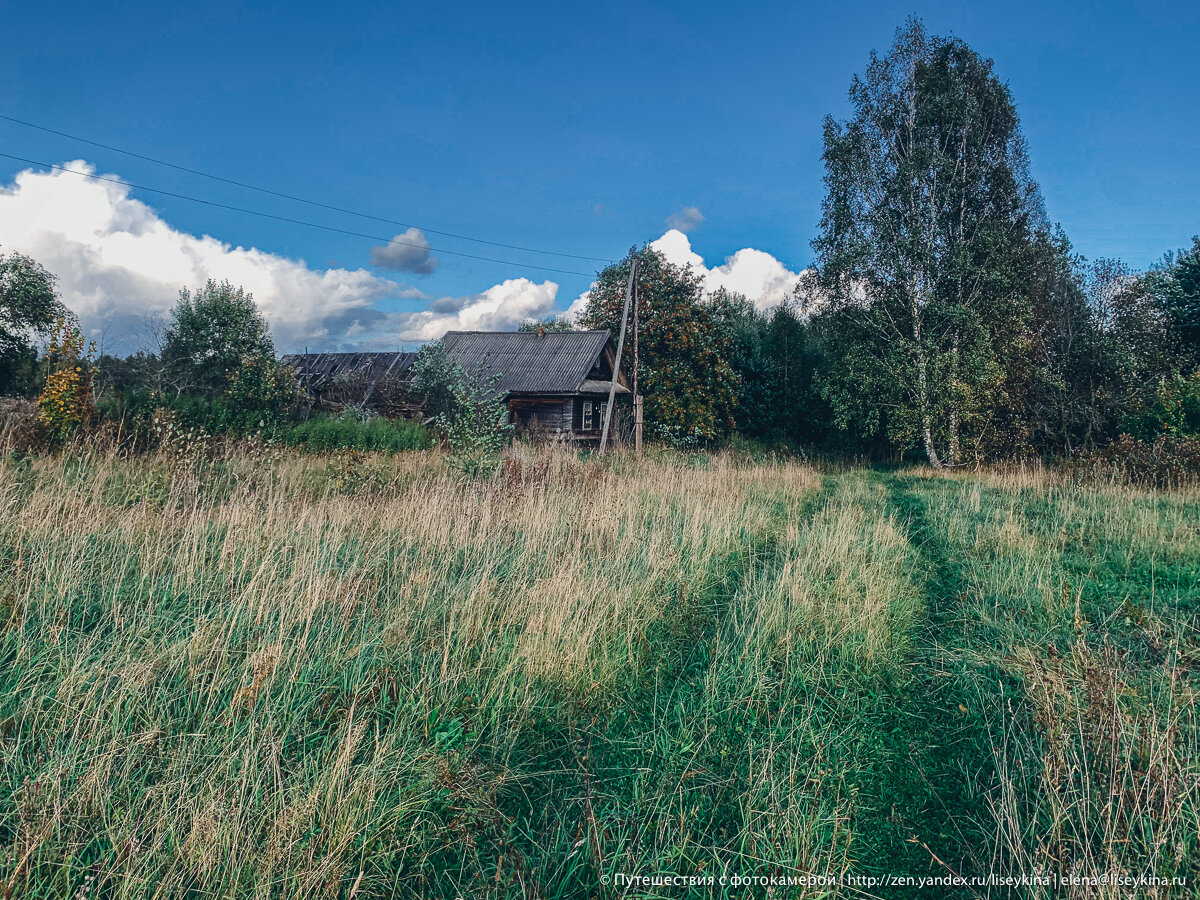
[(669, 764), (929, 760)]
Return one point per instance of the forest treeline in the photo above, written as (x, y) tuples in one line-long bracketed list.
[(944, 316)]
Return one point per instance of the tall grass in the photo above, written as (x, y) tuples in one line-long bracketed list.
[(1087, 600), (264, 675), (277, 677)]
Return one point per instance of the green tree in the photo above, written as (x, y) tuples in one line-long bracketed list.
[(684, 371), (549, 323), (1175, 286), (774, 360), (435, 377), (29, 306), (1069, 405), (212, 334), (928, 219)]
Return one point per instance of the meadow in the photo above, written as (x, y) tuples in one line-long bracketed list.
[(259, 674)]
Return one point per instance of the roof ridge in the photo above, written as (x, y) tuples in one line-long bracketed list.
[(572, 331)]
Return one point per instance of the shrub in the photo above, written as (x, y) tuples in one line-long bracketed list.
[(1174, 410), (260, 395), (66, 402), (1167, 462), (469, 411), (479, 429)]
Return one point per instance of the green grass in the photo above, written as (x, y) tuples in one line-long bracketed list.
[(276, 676), (324, 433)]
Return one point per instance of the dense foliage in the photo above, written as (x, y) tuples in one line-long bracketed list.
[(66, 403), (924, 247), (213, 333), (950, 316), (323, 433), (684, 368), (29, 306)]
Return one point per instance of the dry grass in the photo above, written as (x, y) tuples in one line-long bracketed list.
[(265, 675)]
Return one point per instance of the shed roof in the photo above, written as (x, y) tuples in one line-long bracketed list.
[(555, 362), (372, 366)]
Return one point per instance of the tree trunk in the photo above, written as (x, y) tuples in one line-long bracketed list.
[(923, 405), (927, 429), (923, 388), (952, 450)]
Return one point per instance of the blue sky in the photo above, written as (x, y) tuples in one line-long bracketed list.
[(578, 127)]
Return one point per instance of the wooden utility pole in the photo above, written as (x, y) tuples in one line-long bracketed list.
[(637, 398), (616, 369)]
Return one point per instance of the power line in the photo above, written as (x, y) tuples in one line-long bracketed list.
[(292, 197), (254, 212)]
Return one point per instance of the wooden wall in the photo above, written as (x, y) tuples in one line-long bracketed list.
[(562, 417), (552, 415)]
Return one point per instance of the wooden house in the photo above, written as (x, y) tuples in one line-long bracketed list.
[(555, 383)]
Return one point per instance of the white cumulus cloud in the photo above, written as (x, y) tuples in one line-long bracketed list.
[(501, 307), (118, 262), (755, 274), (758, 275)]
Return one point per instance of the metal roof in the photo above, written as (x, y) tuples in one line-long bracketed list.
[(555, 362), (373, 366)]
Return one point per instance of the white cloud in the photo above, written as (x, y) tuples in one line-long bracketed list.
[(687, 219), (501, 307), (757, 275), (407, 252), (754, 273), (118, 262)]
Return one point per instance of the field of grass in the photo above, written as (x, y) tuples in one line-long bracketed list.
[(281, 676)]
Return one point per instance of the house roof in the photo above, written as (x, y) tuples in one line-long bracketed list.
[(555, 362), (372, 366)]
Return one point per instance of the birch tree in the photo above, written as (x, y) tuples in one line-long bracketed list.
[(927, 221)]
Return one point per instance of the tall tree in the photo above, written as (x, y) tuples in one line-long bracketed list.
[(684, 371), (212, 334), (1066, 398), (773, 358), (29, 305), (924, 243), (1175, 285)]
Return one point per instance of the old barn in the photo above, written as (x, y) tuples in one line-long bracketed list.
[(377, 381)]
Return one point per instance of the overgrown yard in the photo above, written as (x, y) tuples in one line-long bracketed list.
[(355, 677)]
